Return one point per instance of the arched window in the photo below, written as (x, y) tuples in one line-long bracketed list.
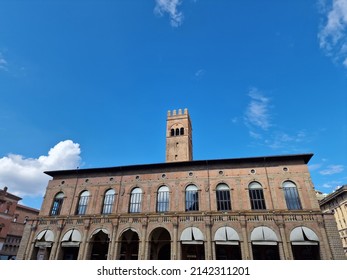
[(192, 198), (135, 201), (172, 132), (256, 196), (57, 204), (223, 197), (82, 203), (163, 199), (177, 131), (182, 131), (108, 201), (291, 195)]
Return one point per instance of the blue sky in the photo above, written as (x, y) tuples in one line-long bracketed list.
[(88, 84)]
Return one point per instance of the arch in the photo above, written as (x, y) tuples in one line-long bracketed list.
[(226, 235), (45, 235), (305, 244), (264, 244), (264, 235), (192, 235), (192, 244), (129, 247), (227, 244), (72, 235), (98, 244), (70, 243), (105, 231), (160, 244)]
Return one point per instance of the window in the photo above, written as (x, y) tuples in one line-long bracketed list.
[(192, 198), (163, 199), (256, 196), (57, 204), (291, 195), (223, 197), (108, 201), (135, 201), (82, 203), (182, 131)]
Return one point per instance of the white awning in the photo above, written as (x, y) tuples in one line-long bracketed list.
[(303, 236), (192, 235), (226, 236), (72, 235), (45, 235), (263, 236), (98, 230)]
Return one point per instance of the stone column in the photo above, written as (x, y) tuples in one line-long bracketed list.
[(142, 255), (174, 252), (112, 250), (244, 248)]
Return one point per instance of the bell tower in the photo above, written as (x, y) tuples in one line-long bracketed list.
[(179, 145)]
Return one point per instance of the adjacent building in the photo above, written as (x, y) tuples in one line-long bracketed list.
[(13, 218), (336, 203), (234, 208)]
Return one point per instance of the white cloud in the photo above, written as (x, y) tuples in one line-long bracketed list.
[(170, 7), (332, 169), (25, 177), (3, 63), (333, 33), (257, 112)]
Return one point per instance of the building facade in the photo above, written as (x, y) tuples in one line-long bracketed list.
[(241, 208), (336, 203), (13, 218)]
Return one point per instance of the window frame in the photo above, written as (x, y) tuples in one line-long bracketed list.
[(191, 198), (82, 203), (57, 204), (223, 197), (135, 200), (291, 195), (108, 201), (256, 196), (163, 199)]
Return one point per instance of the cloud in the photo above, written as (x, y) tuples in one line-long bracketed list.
[(333, 33), (170, 7), (3, 63), (257, 112), (332, 169), (25, 177)]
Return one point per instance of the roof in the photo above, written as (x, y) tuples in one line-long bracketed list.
[(195, 164), (333, 195)]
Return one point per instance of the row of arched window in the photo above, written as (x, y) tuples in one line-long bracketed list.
[(223, 199)]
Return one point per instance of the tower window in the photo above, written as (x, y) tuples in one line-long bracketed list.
[(182, 131), (177, 131), (172, 132)]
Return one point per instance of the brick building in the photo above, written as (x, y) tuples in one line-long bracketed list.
[(240, 208), (13, 217), (336, 203)]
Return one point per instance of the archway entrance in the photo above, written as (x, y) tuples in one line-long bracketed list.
[(129, 248), (305, 244), (227, 244), (99, 245), (264, 244), (160, 244), (70, 245), (192, 244)]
